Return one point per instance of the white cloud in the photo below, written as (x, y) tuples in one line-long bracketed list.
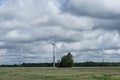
[(112, 51), (3, 51), (15, 35)]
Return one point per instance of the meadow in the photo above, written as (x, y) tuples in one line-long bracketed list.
[(49, 73)]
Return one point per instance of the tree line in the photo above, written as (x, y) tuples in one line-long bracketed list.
[(67, 61), (84, 64)]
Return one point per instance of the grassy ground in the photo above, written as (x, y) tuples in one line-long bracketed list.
[(37, 73)]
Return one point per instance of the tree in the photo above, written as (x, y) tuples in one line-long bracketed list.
[(67, 60)]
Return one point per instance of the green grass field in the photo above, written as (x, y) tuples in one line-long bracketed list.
[(38, 73)]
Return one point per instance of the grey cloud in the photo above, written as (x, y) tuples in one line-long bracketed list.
[(100, 9), (104, 14), (112, 25)]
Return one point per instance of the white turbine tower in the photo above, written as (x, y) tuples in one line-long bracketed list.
[(103, 50), (20, 56), (53, 44), (103, 54)]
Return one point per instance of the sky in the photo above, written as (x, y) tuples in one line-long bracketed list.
[(89, 29)]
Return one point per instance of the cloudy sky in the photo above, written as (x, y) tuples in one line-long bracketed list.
[(87, 28)]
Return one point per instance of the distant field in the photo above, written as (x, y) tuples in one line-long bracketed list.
[(39, 73)]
